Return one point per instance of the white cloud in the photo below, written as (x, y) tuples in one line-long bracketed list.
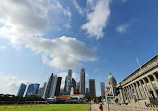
[(122, 28), (9, 84), (97, 18), (64, 74), (25, 23), (2, 47), (77, 7)]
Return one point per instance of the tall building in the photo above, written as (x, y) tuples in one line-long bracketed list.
[(21, 90), (53, 86), (41, 90), (77, 87), (68, 84), (102, 86), (48, 87), (57, 91), (87, 92), (73, 84), (32, 89), (82, 81), (92, 91), (66, 79)]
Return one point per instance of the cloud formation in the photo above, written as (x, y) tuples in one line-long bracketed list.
[(26, 23), (122, 28), (9, 84), (77, 7), (97, 17)]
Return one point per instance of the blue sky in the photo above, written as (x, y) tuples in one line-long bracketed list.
[(44, 36)]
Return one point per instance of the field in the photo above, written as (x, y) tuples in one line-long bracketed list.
[(51, 107)]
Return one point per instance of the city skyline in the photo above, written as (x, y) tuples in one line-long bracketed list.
[(102, 36)]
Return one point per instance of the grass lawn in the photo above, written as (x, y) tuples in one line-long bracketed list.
[(51, 107)]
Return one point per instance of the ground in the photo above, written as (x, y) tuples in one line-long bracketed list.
[(52, 107)]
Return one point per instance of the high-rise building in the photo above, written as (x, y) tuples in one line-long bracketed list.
[(77, 87), (68, 84), (32, 89), (82, 81), (87, 92), (92, 91), (21, 90), (41, 90), (53, 86), (57, 91), (73, 84), (66, 79), (102, 86), (48, 87)]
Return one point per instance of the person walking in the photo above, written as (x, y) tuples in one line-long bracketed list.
[(101, 106)]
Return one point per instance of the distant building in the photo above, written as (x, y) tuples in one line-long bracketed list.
[(21, 90), (32, 89), (87, 92), (102, 86), (41, 90), (57, 91), (66, 79), (77, 87), (73, 84), (68, 84), (48, 87), (82, 81), (92, 91), (53, 86)]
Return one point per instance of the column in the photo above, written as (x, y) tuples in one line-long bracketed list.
[(121, 94), (135, 91), (142, 90), (130, 93), (147, 90), (138, 90), (155, 94), (127, 94), (155, 78)]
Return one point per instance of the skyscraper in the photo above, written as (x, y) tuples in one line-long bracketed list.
[(53, 86), (82, 81), (92, 91), (48, 86), (87, 92), (21, 90), (41, 90), (32, 89), (73, 84), (57, 91), (102, 86), (77, 87), (68, 84), (66, 79)]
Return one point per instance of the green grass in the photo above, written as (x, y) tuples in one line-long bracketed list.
[(52, 107)]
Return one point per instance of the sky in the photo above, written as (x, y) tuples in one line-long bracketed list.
[(39, 37)]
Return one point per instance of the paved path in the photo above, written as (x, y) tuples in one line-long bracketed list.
[(113, 107), (95, 107)]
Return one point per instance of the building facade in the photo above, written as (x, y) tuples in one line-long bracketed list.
[(82, 81), (68, 84), (73, 84), (57, 91), (32, 89), (92, 90), (41, 90), (48, 87), (141, 85), (102, 86), (21, 90)]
